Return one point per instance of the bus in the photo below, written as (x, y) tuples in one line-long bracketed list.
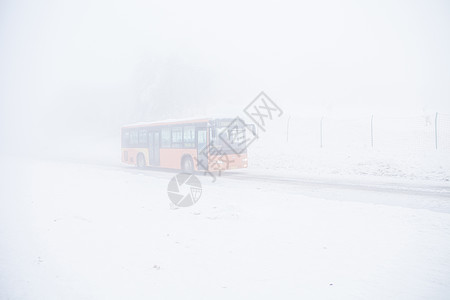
[(189, 145)]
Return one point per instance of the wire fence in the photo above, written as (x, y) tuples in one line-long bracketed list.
[(412, 133)]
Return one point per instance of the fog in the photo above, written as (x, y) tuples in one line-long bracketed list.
[(343, 194), (87, 67)]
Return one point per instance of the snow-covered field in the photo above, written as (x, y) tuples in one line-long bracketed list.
[(404, 148), (345, 221), (85, 231), (347, 190)]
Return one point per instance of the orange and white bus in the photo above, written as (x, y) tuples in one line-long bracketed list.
[(190, 145)]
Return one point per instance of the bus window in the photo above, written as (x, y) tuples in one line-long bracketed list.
[(177, 137), (165, 137), (189, 136), (236, 136), (125, 138), (143, 136), (134, 137), (229, 140)]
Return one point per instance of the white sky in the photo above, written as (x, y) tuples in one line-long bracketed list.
[(61, 59)]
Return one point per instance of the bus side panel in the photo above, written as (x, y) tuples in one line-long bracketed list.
[(171, 157)]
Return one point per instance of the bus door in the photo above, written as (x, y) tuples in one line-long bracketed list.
[(151, 153), (202, 151), (156, 147), (153, 148)]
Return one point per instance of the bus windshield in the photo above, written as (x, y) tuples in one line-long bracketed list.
[(228, 139)]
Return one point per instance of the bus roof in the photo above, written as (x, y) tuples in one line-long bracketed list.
[(167, 122)]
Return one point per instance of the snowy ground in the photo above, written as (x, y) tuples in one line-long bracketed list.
[(404, 149), (95, 231)]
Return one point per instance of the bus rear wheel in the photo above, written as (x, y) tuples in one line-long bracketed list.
[(140, 161), (187, 165)]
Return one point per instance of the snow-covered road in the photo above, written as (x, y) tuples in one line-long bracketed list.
[(395, 192), (87, 231)]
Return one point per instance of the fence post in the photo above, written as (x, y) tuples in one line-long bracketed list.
[(287, 130), (436, 131), (371, 130), (321, 132)]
